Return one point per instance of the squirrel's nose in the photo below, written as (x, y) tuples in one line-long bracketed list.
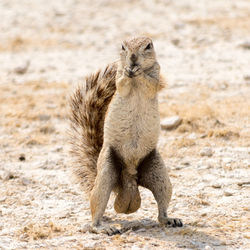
[(133, 57)]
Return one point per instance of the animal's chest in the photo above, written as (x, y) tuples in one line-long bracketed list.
[(139, 122), (132, 126)]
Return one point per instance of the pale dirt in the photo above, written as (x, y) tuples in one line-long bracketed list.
[(204, 51)]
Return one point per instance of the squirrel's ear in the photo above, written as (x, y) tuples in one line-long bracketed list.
[(123, 48)]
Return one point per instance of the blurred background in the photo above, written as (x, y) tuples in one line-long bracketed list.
[(46, 47)]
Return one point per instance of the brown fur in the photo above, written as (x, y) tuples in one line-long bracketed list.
[(89, 104)]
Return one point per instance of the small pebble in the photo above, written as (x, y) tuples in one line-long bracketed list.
[(206, 152), (192, 136), (216, 185), (141, 230), (2, 199), (57, 149), (51, 106), (179, 26), (178, 168), (203, 136), (22, 69), (25, 181), (24, 237), (228, 193), (22, 157), (227, 160), (44, 117), (247, 77), (171, 122), (85, 228), (7, 175), (245, 45), (26, 202), (175, 42), (208, 247), (135, 247)]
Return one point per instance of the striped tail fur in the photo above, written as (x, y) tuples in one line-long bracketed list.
[(88, 106)]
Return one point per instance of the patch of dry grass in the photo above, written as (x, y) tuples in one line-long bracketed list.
[(27, 102), (213, 121), (223, 133), (36, 231), (196, 117), (184, 142), (201, 113), (20, 43), (27, 110), (239, 24), (186, 231)]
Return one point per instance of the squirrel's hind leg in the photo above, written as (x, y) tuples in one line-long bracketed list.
[(106, 179), (128, 198), (152, 174)]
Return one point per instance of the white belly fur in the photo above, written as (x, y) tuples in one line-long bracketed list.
[(132, 127)]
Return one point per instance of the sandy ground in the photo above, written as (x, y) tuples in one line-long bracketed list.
[(204, 51)]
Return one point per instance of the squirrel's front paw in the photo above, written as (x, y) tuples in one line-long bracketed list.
[(133, 71)]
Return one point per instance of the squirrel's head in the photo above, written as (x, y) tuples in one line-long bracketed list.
[(138, 52)]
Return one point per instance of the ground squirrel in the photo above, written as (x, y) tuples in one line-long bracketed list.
[(115, 128)]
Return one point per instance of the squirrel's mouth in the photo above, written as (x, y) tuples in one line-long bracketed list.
[(133, 65)]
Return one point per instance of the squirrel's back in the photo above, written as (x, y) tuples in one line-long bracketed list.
[(89, 104)]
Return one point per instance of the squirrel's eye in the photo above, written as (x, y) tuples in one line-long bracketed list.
[(123, 48), (149, 46)]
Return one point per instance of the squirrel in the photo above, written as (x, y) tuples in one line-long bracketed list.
[(115, 125)]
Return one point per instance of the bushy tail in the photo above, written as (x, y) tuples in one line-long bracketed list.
[(89, 104)]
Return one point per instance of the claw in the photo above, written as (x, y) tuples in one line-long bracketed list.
[(109, 230), (132, 72), (171, 222), (179, 223)]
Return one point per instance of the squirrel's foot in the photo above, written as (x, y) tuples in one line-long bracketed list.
[(170, 222), (107, 229)]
